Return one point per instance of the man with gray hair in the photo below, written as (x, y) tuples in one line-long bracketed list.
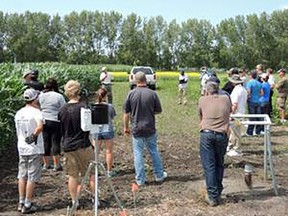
[(214, 125), (140, 107)]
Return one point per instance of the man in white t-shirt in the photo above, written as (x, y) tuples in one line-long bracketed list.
[(29, 125), (204, 76), (239, 101), (182, 86), (106, 81)]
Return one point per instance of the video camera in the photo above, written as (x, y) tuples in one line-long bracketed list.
[(93, 116)]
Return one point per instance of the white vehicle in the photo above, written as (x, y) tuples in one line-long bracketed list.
[(150, 76)]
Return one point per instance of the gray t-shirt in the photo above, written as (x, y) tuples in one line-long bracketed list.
[(142, 103), (50, 104)]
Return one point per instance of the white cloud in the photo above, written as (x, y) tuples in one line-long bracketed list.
[(283, 7)]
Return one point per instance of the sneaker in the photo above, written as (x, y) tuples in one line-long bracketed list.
[(234, 153), (163, 177), (262, 133), (45, 167), (283, 121), (33, 208), (20, 206), (77, 205), (247, 135), (111, 174), (211, 202), (57, 168)]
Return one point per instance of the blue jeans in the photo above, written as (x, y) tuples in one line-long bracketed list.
[(212, 151), (264, 110), (138, 148), (254, 108)]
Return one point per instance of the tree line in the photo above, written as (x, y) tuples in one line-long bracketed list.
[(110, 38)]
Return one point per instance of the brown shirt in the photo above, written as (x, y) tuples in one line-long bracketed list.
[(214, 113), (282, 87)]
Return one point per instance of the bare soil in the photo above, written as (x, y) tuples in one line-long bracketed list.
[(181, 194)]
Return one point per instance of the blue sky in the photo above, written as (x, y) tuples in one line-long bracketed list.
[(181, 10)]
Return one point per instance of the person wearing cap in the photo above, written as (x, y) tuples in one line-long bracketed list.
[(182, 86), (214, 127), (106, 81), (228, 86), (140, 107), (76, 145), (255, 91), (239, 101), (31, 80), (51, 101), (259, 69), (204, 76), (282, 88), (29, 125)]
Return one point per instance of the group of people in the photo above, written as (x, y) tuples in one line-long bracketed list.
[(217, 137), (47, 120)]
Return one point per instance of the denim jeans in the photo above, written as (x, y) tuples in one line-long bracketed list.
[(254, 108), (264, 110), (138, 148), (212, 151)]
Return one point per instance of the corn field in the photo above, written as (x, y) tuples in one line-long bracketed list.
[(12, 88)]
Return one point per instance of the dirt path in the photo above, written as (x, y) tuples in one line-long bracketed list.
[(181, 194)]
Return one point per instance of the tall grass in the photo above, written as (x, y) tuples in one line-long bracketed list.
[(175, 119)]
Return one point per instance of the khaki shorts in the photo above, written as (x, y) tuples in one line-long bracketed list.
[(281, 103), (29, 167), (77, 161)]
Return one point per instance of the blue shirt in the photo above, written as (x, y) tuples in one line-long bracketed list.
[(265, 97), (254, 86)]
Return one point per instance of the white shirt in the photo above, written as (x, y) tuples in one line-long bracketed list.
[(271, 80), (50, 103), (106, 78), (26, 122), (185, 78), (239, 96)]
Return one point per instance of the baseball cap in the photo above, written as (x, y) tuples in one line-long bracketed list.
[(27, 72), (264, 75), (30, 94), (103, 69)]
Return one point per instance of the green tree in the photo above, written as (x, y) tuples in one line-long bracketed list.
[(112, 26), (131, 41)]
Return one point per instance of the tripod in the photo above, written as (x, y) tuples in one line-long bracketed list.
[(94, 164)]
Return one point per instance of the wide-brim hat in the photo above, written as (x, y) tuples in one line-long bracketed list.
[(236, 79), (281, 70), (232, 71)]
